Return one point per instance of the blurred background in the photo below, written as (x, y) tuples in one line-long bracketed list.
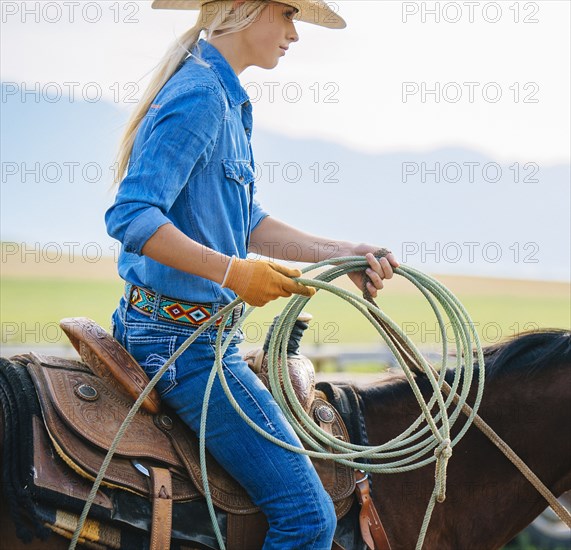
[(440, 130), (436, 129)]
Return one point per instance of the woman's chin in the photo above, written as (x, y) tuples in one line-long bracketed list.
[(268, 64)]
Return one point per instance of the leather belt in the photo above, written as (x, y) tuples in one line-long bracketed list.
[(176, 311)]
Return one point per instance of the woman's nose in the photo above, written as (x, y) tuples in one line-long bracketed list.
[(292, 35)]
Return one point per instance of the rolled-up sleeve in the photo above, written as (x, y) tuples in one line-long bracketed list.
[(183, 135), (258, 214)]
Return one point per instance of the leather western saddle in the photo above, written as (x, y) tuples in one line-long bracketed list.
[(83, 403)]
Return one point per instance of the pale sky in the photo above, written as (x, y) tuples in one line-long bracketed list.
[(344, 86)]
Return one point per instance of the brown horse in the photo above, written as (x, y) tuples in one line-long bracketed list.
[(527, 400)]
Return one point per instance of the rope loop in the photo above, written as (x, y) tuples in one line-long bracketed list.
[(426, 440)]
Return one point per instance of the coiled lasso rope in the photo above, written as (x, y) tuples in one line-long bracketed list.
[(415, 447)]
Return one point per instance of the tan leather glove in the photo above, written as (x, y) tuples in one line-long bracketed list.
[(258, 282)]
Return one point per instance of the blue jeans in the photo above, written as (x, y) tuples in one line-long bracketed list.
[(282, 483)]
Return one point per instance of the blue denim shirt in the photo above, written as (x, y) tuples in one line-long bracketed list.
[(192, 166)]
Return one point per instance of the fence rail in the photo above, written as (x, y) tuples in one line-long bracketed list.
[(342, 357), (345, 356)]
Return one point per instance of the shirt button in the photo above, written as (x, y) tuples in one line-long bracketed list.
[(247, 104), (241, 178)]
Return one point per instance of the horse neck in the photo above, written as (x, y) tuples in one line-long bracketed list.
[(488, 499)]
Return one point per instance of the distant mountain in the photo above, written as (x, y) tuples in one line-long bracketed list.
[(481, 218), (56, 160)]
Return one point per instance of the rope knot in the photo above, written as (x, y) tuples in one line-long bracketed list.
[(442, 453), (444, 450)]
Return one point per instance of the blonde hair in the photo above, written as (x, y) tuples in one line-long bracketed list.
[(214, 17)]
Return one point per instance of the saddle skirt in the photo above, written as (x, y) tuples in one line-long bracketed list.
[(83, 406)]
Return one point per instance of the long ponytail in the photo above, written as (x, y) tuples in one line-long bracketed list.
[(214, 17)]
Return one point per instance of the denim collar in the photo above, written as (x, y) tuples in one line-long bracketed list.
[(225, 73)]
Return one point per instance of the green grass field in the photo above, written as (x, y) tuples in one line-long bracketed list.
[(31, 308), (34, 297)]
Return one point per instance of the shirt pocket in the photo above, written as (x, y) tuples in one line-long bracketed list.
[(152, 352), (239, 171)]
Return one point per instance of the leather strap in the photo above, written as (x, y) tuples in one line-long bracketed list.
[(162, 508), (372, 529), (245, 532)]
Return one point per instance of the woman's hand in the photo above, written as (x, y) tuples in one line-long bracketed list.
[(377, 271), (258, 282)]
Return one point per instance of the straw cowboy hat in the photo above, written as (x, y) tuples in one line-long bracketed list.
[(310, 11)]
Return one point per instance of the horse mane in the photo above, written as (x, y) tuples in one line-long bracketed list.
[(522, 354), (527, 352)]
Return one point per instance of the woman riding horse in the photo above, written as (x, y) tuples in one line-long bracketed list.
[(186, 217)]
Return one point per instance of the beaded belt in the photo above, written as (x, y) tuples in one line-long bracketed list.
[(176, 311)]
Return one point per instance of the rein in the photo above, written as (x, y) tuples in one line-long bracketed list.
[(413, 448)]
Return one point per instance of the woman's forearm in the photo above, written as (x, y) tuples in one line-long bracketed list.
[(170, 247), (280, 241)]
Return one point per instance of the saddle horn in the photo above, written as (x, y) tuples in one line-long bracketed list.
[(300, 326)]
